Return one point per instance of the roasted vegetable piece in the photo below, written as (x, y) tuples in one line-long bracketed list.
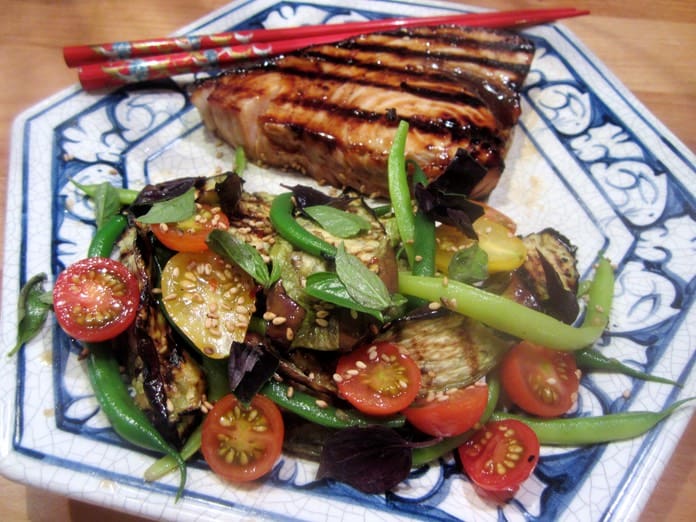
[(451, 350), (169, 385), (209, 300), (318, 325), (550, 273)]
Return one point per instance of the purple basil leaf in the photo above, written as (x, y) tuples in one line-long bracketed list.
[(448, 208), (310, 197), (164, 191), (372, 460), (250, 366), (461, 176)]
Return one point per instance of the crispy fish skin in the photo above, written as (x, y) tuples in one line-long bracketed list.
[(331, 111)]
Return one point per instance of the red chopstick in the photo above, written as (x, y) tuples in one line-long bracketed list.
[(111, 74), (84, 54), (109, 65)]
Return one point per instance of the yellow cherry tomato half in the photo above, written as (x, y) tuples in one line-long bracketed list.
[(505, 250)]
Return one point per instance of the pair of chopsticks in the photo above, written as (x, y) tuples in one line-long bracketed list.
[(113, 64)]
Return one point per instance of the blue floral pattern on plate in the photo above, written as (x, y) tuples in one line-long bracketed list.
[(586, 159)]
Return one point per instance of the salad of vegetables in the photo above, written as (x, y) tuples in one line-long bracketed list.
[(371, 338)]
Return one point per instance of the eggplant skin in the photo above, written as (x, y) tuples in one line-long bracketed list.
[(451, 350), (548, 280), (169, 384)]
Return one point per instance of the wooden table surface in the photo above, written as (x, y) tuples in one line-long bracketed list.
[(648, 45)]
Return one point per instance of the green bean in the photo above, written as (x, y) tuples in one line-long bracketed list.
[(590, 359), (421, 456), (399, 190), (305, 405), (423, 234), (126, 419), (284, 223), (103, 241), (167, 464), (240, 161), (515, 319), (580, 431)]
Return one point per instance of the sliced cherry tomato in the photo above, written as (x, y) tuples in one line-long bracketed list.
[(449, 414), (95, 299), (378, 379), (493, 214), (190, 235), (505, 250), (499, 457), (539, 380), (241, 442)]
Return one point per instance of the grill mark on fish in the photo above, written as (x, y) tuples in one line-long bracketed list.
[(419, 54), (441, 79), (437, 126)]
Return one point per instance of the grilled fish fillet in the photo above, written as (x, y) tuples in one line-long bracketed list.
[(331, 111)]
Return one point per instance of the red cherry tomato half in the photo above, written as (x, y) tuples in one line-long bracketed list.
[(378, 379), (190, 235), (500, 457), (539, 380), (95, 299), (449, 414), (242, 442)]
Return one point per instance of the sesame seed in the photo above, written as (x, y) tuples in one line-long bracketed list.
[(321, 404), (277, 321)]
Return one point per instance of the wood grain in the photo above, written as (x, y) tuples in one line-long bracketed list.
[(648, 45)]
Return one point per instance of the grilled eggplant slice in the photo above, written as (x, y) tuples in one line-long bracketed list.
[(169, 385), (548, 280), (451, 350)]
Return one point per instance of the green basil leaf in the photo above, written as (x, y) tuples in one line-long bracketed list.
[(469, 265), (32, 310), (327, 287), (106, 201), (241, 253), (172, 210), (336, 221), (362, 284), (125, 196)]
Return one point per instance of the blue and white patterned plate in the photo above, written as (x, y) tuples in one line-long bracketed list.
[(587, 159)]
